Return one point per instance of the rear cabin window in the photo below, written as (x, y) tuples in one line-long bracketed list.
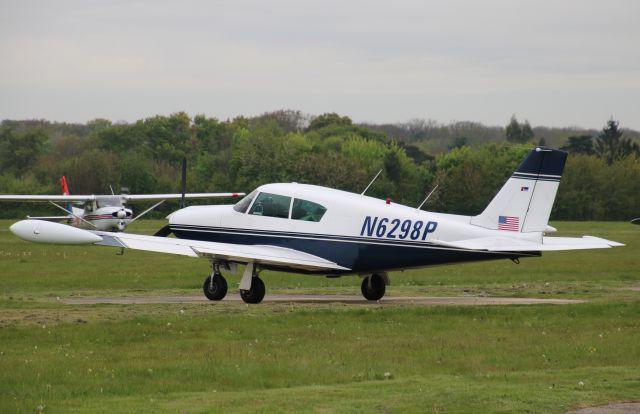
[(271, 205), (307, 210), (242, 205)]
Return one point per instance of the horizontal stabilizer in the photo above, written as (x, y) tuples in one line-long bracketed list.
[(508, 244)]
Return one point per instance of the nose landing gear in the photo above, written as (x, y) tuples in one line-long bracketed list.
[(215, 286)]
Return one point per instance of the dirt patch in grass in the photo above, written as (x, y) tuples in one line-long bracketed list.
[(617, 408)]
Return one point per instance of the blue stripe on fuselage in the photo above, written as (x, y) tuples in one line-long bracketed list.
[(360, 254)]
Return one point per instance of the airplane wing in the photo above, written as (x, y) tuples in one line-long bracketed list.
[(144, 197), (509, 244), (125, 197), (260, 254), (60, 198)]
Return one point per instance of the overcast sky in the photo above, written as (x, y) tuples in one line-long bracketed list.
[(555, 63)]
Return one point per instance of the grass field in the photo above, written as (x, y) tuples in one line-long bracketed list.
[(231, 357)]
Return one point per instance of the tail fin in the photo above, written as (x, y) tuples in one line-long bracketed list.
[(65, 191), (524, 203), (63, 184)]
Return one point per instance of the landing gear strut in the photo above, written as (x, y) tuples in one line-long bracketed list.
[(215, 286), (251, 286), (373, 287)]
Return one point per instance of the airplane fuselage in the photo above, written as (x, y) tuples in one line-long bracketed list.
[(357, 232), (93, 216)]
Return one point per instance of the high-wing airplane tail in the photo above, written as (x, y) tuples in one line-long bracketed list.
[(65, 190), (524, 203)]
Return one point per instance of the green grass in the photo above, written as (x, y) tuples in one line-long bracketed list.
[(221, 357)]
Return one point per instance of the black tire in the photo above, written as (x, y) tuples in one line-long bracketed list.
[(216, 290), (256, 293), (376, 290)]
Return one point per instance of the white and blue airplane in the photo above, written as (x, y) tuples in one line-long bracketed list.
[(317, 230)]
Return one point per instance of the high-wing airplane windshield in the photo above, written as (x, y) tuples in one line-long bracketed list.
[(271, 205), (242, 205), (307, 210), (108, 202)]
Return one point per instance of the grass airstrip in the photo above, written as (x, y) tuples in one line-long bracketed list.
[(319, 358)]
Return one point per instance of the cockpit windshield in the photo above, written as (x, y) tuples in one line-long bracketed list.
[(242, 205), (108, 202)]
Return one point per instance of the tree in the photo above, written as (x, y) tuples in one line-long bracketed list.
[(518, 133), (581, 144), (513, 130), (18, 152), (527, 133), (612, 146), (458, 142), (325, 120)]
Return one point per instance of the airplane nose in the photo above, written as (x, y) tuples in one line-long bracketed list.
[(121, 214)]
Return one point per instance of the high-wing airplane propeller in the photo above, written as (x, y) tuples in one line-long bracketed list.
[(317, 230)]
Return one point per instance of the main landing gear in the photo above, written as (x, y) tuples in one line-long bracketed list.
[(252, 288), (255, 293), (374, 286)]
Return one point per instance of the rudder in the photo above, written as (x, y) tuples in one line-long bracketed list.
[(524, 203)]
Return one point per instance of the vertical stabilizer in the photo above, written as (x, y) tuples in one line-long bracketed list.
[(65, 190), (524, 203)]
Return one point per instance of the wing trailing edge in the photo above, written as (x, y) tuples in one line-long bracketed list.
[(267, 255)]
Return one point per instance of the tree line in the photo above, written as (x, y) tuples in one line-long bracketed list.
[(601, 180)]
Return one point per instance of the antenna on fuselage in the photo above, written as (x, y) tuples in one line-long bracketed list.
[(184, 180), (372, 181), (425, 200)]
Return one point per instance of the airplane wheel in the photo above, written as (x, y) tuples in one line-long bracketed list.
[(256, 293), (373, 290), (215, 290)]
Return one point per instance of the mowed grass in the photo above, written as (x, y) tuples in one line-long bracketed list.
[(231, 357)]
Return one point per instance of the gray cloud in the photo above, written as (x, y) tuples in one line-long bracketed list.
[(554, 63)]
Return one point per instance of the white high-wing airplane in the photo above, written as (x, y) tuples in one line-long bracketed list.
[(103, 212), (316, 230)]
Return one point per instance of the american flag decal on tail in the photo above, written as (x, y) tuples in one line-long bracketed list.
[(509, 223)]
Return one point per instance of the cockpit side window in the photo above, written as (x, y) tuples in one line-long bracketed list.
[(307, 210), (271, 205), (242, 205)]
